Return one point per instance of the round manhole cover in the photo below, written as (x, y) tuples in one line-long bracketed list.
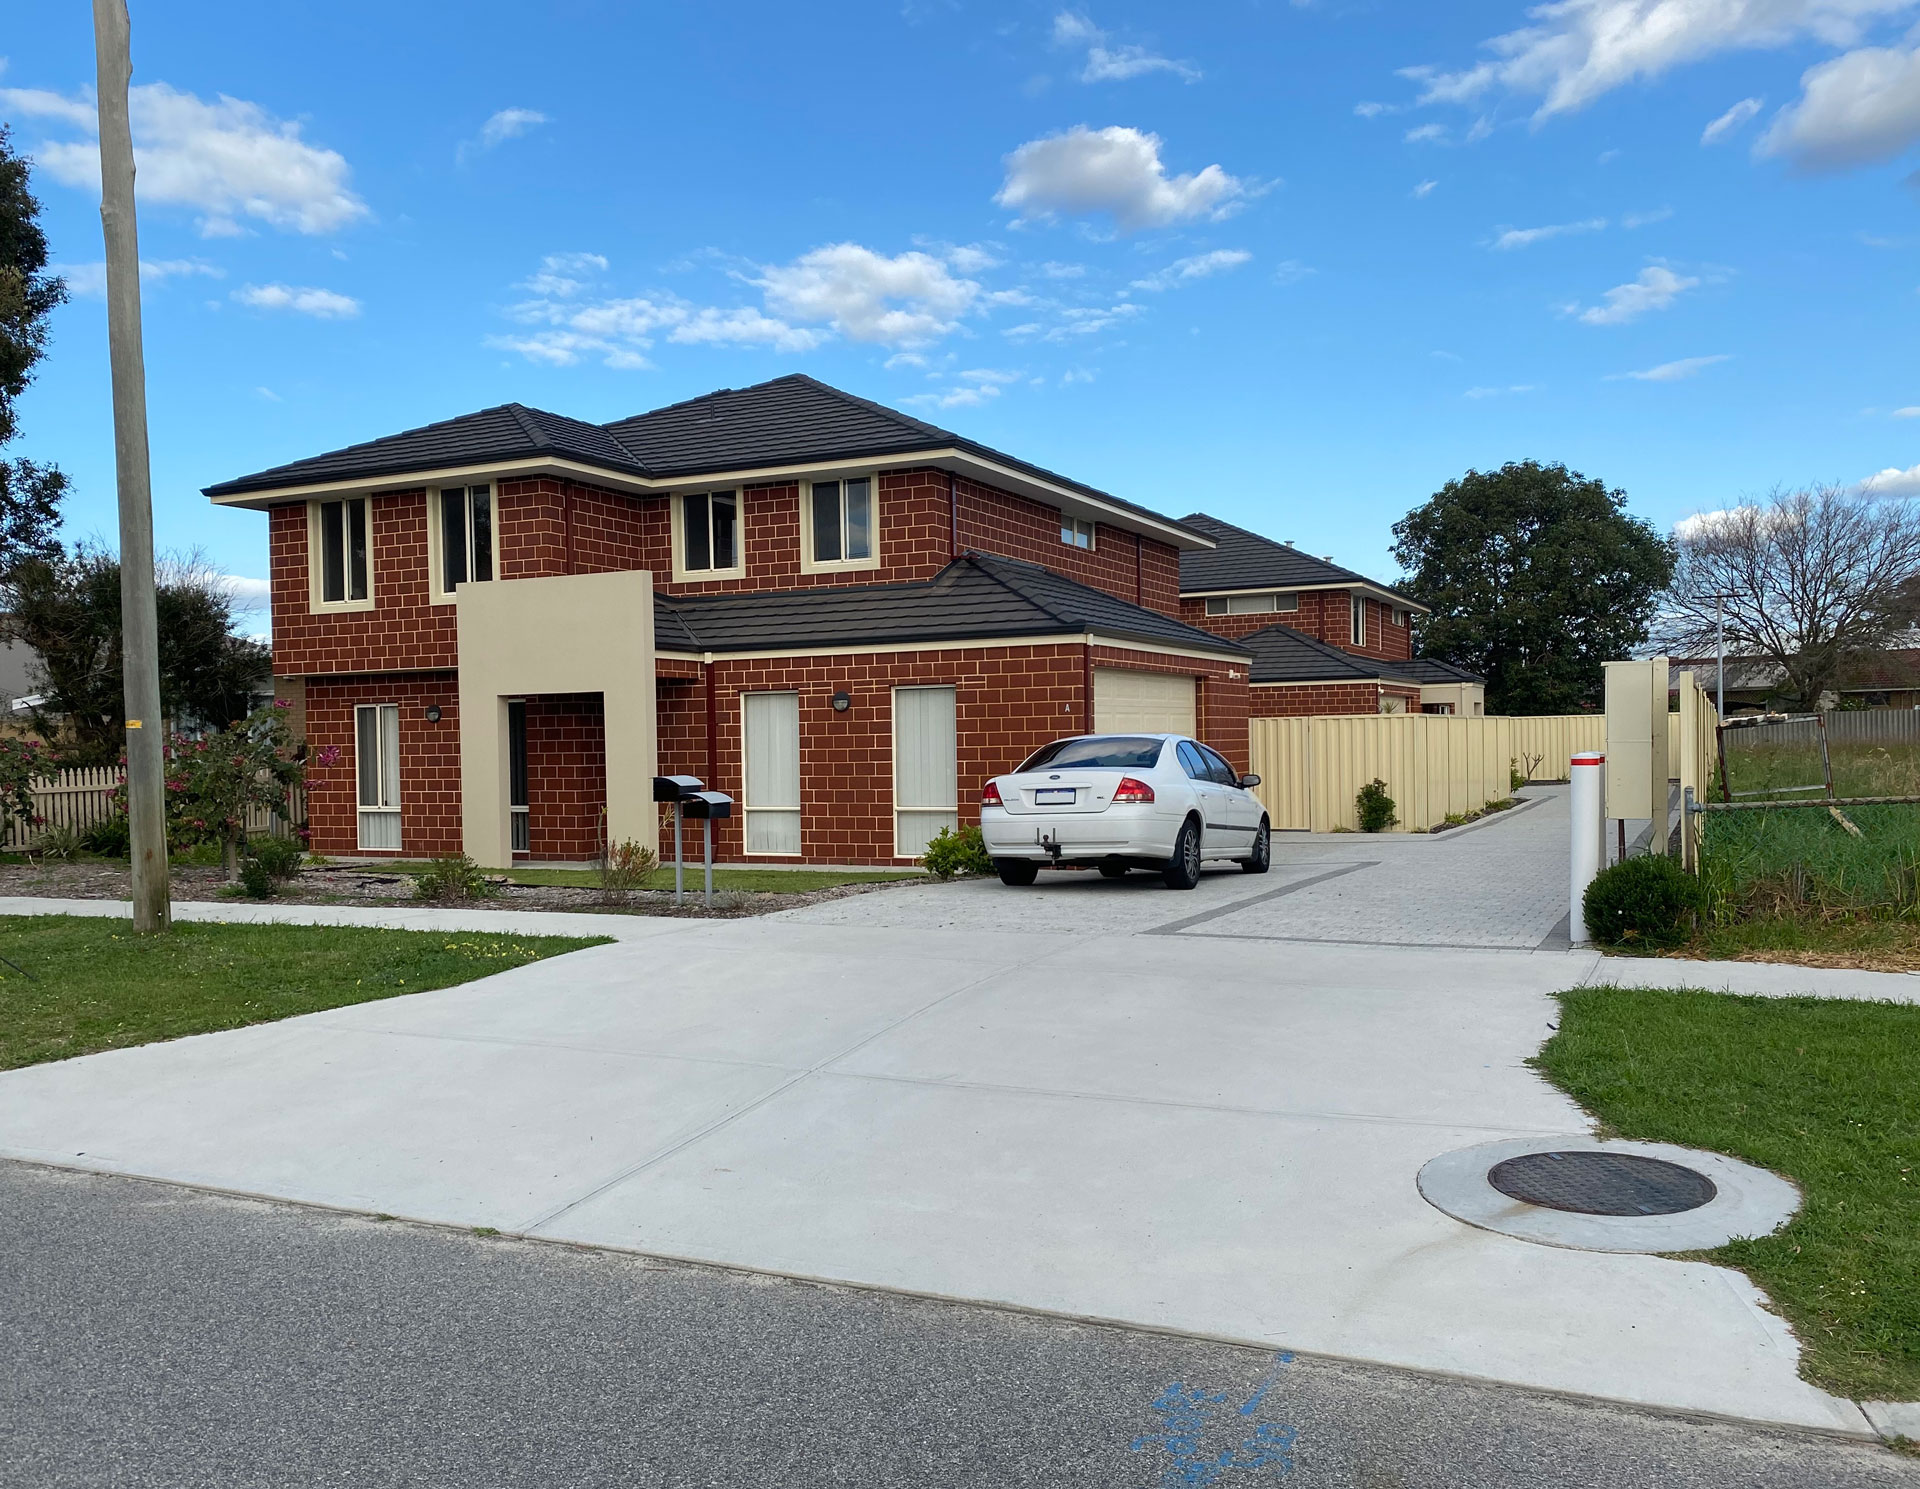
[(1602, 1183)]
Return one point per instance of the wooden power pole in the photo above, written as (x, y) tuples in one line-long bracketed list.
[(139, 627)]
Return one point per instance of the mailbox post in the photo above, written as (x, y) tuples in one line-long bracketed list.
[(675, 789), (707, 807)]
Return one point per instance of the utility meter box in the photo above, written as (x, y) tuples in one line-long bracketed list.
[(1638, 770)]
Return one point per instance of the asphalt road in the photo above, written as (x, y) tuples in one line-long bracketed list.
[(155, 1335)]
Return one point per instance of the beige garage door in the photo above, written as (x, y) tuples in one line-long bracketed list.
[(1147, 702)]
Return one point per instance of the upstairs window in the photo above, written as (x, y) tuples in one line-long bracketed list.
[(1251, 604), (337, 541), (1399, 616), (710, 532), (1359, 621), (1076, 533), (466, 535), (840, 524)]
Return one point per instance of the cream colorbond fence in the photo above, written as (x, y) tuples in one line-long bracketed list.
[(1311, 768)]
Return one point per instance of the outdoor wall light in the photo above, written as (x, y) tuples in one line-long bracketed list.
[(433, 713), (842, 702)]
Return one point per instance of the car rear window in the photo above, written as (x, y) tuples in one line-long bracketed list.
[(1108, 752)]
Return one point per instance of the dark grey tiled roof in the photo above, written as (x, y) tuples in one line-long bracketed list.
[(1243, 560), (1432, 669), (509, 432), (785, 421), (977, 595), (1282, 654)]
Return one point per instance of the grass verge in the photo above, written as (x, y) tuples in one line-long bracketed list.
[(741, 881), (79, 984), (1868, 942), (1821, 1090)]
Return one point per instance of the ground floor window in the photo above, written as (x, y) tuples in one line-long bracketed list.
[(771, 728), (517, 800), (377, 771), (926, 777)]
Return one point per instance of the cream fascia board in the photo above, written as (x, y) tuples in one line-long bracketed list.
[(1050, 492), (1374, 591), (868, 649)]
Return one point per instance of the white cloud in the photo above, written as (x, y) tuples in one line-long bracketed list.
[(743, 326), (323, 304), (1198, 266), (1645, 219), (978, 386), (91, 279), (269, 395), (1673, 372), (1701, 523), (1291, 271), (1113, 64), (1369, 110), (1526, 237), (1892, 482), (1910, 412), (1423, 134), (246, 594), (228, 159), (1576, 50), (1075, 322), (1499, 392), (509, 124), (562, 275), (1424, 190), (906, 300), (1055, 270), (1730, 121), (1857, 109), (1116, 170), (1655, 289)]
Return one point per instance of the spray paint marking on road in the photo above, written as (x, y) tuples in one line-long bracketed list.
[(1187, 1413)]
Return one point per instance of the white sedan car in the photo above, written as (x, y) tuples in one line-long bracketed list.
[(1124, 801)]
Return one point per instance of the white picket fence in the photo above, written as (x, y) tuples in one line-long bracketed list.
[(81, 797)]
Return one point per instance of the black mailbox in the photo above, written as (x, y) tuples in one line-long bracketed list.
[(675, 788), (707, 804)]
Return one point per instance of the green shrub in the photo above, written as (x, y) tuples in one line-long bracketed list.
[(60, 841), (456, 877), (1374, 807), (951, 854), (1649, 901), (257, 879), (110, 837), (626, 865), (280, 857)]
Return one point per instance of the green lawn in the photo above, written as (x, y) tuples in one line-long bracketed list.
[(1824, 1091), (77, 984), (755, 881)]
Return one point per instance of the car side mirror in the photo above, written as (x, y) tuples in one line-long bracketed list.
[(1248, 782)]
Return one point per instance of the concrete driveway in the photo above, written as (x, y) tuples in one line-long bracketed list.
[(1202, 1112)]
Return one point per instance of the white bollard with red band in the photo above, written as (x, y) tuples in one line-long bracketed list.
[(1587, 803)]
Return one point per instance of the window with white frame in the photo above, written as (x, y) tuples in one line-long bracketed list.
[(1251, 604), (840, 522), (926, 773), (770, 723), (1076, 532), (1359, 620), (519, 811), (1399, 616), (377, 772), (710, 533), (466, 531), (342, 567)]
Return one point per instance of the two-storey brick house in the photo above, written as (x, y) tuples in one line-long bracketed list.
[(499, 628), (1324, 639)]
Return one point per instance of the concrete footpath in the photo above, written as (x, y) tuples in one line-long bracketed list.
[(1095, 1098)]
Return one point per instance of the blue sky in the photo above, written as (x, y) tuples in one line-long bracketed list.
[(1295, 264)]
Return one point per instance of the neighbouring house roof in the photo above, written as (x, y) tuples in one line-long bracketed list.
[(792, 420), (1282, 654), (975, 597), (1897, 668), (1433, 670), (1242, 560)]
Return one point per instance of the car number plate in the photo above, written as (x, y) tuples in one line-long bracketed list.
[(1048, 796)]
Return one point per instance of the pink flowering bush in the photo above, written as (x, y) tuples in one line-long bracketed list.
[(21, 760), (213, 782)]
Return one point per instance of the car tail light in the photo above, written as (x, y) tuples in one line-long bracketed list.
[(990, 795), (1131, 790)]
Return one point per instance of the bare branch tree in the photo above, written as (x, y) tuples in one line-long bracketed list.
[(1810, 580)]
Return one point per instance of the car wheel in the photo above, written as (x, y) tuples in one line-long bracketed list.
[(1113, 871), (1018, 872), (1262, 851), (1183, 869)]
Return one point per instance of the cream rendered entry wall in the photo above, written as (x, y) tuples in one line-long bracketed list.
[(577, 633)]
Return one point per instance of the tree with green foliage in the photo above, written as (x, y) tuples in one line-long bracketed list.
[(30, 493), (1534, 576), (67, 608), (212, 783)]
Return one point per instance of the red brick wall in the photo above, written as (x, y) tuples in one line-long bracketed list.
[(994, 521), (1323, 614), (566, 775), (1289, 702), (429, 761)]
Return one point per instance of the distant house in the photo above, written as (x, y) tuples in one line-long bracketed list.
[(1890, 679), (1324, 639)]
